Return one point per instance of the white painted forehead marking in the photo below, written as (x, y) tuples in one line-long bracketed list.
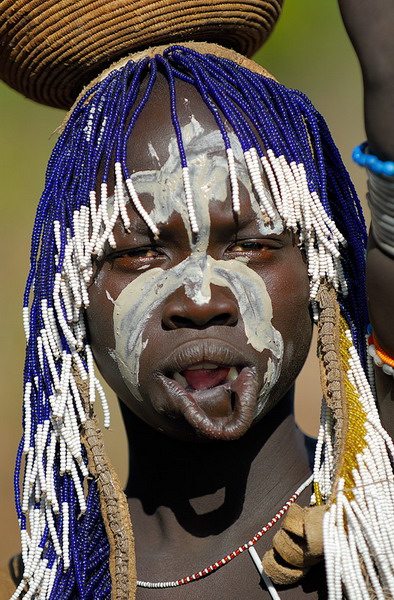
[(209, 178), (153, 153)]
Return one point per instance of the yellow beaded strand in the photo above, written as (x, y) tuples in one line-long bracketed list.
[(355, 437)]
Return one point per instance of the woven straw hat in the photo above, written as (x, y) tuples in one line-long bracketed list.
[(49, 49)]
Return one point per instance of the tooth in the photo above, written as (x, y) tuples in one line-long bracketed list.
[(232, 374), (202, 366), (180, 379)]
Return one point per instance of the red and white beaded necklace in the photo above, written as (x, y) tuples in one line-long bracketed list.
[(226, 559)]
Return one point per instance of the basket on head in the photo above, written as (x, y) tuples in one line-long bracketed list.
[(49, 49)]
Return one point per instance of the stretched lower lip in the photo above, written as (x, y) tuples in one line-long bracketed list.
[(222, 412)]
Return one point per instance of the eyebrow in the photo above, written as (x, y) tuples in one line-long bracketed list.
[(243, 221), (237, 223), (139, 226)]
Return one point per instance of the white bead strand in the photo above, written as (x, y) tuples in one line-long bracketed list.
[(189, 200), (61, 399), (49, 477), (292, 193), (363, 549), (26, 322), (78, 237), (272, 182), (65, 535), (96, 222), (282, 186), (253, 164), (44, 348), (25, 543), (297, 194), (140, 209), (91, 375), (104, 404), (63, 456), (40, 446), (37, 525), (80, 366), (72, 342), (28, 480), (73, 278), (52, 529), (121, 198), (37, 578), (77, 401), (107, 235), (44, 584), (78, 488), (233, 181), (27, 417), (52, 335)]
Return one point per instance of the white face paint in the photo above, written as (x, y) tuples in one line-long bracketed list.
[(139, 299)]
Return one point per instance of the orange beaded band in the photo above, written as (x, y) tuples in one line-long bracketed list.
[(388, 360)]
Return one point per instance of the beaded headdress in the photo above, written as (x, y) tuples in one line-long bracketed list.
[(75, 526)]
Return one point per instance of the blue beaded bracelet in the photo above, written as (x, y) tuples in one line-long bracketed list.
[(371, 162)]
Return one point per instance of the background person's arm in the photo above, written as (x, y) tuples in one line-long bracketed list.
[(370, 26)]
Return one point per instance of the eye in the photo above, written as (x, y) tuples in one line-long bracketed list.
[(246, 247), (139, 253), (255, 246), (132, 258)]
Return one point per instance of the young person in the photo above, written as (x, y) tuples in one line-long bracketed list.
[(196, 219)]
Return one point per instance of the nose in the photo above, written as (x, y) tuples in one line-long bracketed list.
[(180, 311)]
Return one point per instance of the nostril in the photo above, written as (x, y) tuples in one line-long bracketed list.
[(179, 322), (223, 319)]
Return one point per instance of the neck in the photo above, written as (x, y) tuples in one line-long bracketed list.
[(209, 488)]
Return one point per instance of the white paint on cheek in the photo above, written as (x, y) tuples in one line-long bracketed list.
[(137, 302), (250, 294), (133, 308), (255, 307)]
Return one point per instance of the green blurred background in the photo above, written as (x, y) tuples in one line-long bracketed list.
[(308, 50)]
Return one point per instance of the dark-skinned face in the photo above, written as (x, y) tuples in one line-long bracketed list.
[(199, 335)]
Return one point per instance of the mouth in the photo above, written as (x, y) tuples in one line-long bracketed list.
[(205, 376), (210, 385)]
